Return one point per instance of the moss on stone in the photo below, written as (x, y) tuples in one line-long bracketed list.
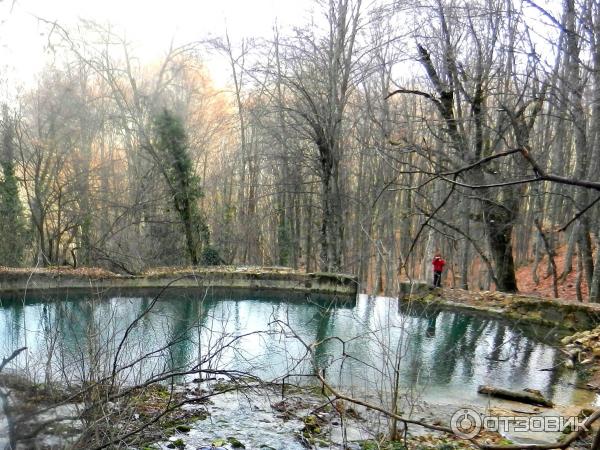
[(235, 443)]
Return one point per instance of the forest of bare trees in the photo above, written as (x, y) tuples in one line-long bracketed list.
[(361, 142)]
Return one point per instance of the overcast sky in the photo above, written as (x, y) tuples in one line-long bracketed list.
[(151, 24)]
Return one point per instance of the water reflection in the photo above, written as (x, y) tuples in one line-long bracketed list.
[(436, 353)]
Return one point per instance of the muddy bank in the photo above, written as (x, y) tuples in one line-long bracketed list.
[(17, 281)]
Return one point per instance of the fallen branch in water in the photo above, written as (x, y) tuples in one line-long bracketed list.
[(8, 359), (529, 397)]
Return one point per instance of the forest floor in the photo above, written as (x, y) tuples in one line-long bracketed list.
[(567, 286)]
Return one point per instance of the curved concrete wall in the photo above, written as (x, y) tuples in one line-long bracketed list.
[(322, 283)]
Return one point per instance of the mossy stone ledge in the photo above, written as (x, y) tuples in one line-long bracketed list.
[(562, 314)]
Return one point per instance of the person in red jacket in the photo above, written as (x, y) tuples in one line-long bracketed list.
[(438, 268)]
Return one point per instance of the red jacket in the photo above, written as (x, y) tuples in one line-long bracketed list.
[(438, 264)]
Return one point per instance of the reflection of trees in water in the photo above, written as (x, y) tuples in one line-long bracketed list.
[(323, 320), (230, 323), (51, 319), (432, 323), (469, 345), (16, 325), (193, 325), (518, 360), (319, 326), (76, 332), (415, 332), (181, 316), (524, 348), (446, 353), (81, 334), (497, 353), (368, 311), (555, 375)]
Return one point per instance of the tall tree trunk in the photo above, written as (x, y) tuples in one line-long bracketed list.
[(594, 142)]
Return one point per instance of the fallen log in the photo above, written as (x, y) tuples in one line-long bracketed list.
[(531, 398)]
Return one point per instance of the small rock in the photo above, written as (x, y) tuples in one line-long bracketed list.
[(569, 364)]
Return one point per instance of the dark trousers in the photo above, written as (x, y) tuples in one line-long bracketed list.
[(437, 279)]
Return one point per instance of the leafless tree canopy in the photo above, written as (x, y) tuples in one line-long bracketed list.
[(361, 142)]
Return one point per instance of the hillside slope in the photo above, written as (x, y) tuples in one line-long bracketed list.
[(566, 288)]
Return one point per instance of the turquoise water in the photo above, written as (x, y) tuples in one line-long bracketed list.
[(439, 355)]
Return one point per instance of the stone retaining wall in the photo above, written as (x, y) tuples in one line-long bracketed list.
[(322, 283)]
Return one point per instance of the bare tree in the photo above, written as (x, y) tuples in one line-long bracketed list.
[(315, 74)]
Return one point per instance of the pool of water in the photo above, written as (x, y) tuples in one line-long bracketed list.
[(438, 355)]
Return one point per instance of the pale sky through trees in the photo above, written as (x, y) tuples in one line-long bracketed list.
[(150, 25)]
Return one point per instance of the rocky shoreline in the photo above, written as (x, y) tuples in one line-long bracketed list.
[(222, 413)]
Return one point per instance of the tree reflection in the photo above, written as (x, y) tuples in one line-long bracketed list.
[(447, 351)]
